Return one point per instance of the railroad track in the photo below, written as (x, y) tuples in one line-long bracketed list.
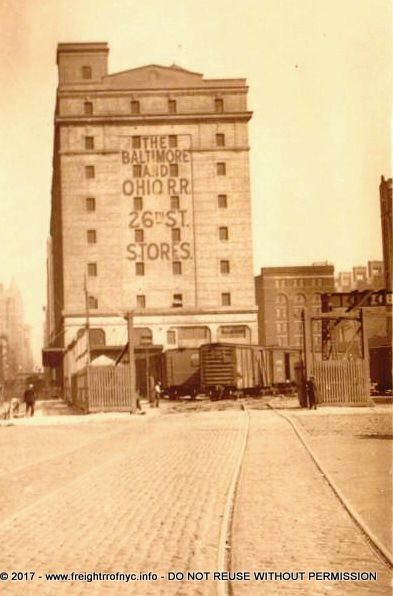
[(225, 588)]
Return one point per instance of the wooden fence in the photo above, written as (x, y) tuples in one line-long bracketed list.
[(342, 382), (102, 389)]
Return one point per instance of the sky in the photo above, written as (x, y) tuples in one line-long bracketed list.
[(320, 80)]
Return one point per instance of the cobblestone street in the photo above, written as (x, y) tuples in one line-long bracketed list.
[(148, 494)]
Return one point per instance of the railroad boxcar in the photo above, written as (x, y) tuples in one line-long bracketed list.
[(177, 369), (246, 368)]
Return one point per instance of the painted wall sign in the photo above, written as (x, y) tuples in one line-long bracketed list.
[(154, 171)]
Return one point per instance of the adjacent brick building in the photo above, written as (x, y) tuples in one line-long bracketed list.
[(150, 205), (282, 293)]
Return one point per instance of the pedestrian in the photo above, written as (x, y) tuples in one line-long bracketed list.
[(29, 399), (311, 389), (157, 394)]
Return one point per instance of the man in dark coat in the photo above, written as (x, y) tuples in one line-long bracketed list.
[(311, 389), (29, 399)]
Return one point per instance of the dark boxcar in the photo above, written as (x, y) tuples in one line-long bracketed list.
[(180, 371)]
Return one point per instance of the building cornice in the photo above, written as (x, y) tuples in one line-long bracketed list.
[(153, 119)]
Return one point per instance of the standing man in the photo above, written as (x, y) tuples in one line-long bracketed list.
[(157, 394), (29, 399), (311, 389)]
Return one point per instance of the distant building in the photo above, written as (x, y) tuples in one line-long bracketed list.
[(282, 293), (362, 277), (385, 192), (150, 207), (16, 356)]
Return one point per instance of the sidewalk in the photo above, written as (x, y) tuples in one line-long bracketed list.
[(55, 412)]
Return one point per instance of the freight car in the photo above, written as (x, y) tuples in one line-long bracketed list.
[(177, 369), (228, 368)]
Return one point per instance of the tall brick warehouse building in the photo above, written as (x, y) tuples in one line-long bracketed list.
[(150, 206)]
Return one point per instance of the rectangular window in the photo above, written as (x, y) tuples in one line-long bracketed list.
[(224, 267), (90, 172), (90, 204), (173, 170), (86, 72), (175, 234), (89, 143), (139, 268), (92, 302), (175, 203), (220, 140), (219, 105), (223, 233), (221, 169), (138, 203), (135, 107), (226, 299), (91, 236), (177, 300), (92, 269), (139, 235), (170, 337), (222, 201), (136, 142), (176, 267), (88, 108), (137, 170), (172, 108), (141, 301), (172, 141)]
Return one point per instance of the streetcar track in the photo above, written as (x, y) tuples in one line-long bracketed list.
[(224, 588)]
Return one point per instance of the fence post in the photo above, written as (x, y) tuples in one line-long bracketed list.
[(131, 356)]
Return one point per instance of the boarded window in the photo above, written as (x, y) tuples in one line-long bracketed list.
[(91, 236), (176, 267), (173, 170), (221, 169), (139, 234), (141, 301), (224, 267), (90, 204), (175, 234), (172, 107), (175, 203), (222, 201), (139, 269), (135, 107), (223, 233), (92, 269), (226, 299), (90, 172), (88, 108), (138, 203), (86, 72), (89, 143), (220, 140), (219, 105)]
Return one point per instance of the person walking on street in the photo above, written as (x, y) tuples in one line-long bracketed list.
[(29, 399), (311, 389)]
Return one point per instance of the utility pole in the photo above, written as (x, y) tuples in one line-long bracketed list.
[(131, 357)]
